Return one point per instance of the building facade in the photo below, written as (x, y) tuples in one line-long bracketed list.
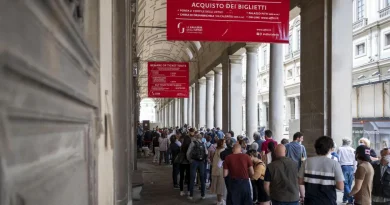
[(371, 75)]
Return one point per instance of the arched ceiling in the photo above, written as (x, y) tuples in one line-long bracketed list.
[(152, 44)]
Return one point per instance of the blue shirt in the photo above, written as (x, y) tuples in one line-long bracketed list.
[(295, 152), (259, 142), (219, 134)]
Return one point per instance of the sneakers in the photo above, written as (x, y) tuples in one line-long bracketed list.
[(189, 198), (203, 197), (182, 193)]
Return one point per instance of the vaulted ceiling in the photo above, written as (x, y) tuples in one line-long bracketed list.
[(152, 44)]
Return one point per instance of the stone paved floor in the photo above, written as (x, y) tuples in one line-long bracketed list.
[(158, 188)]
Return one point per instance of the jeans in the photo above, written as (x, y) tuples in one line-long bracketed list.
[(348, 176), (163, 154), (175, 172), (229, 194), (198, 165), (184, 169), (156, 157), (241, 193), (284, 203)]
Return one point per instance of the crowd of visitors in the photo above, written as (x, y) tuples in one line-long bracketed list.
[(265, 172)]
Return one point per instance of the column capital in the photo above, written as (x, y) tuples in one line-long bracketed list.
[(202, 80), (252, 47), (218, 69), (235, 59), (210, 75)]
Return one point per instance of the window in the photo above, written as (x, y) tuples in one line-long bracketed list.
[(360, 9), (298, 71), (289, 73), (289, 44), (360, 49), (265, 57), (292, 108), (387, 39), (387, 3), (265, 82), (299, 39)]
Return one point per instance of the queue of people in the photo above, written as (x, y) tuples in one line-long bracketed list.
[(266, 172)]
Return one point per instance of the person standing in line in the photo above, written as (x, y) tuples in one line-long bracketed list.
[(367, 143), (175, 150), (140, 133), (228, 151), (219, 133), (363, 177), (281, 180), (295, 150), (284, 141), (239, 168), (163, 145), (347, 161), (264, 146), (197, 155), (321, 176), (381, 182), (271, 153), (258, 140), (156, 148), (212, 148), (184, 165), (218, 183), (257, 180)]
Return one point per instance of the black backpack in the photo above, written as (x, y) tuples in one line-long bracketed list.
[(198, 151)]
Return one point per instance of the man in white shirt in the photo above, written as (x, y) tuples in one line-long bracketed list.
[(347, 162)]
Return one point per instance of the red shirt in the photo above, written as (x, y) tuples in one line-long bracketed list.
[(238, 165), (264, 146)]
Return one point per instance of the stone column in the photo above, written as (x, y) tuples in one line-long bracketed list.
[(209, 100), (189, 111), (218, 97), (177, 115), (251, 90), (326, 75), (297, 108), (288, 109), (235, 94), (194, 107), (276, 91), (185, 111), (201, 103)]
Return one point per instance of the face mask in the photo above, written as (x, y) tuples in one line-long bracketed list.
[(224, 145), (360, 143), (387, 158)]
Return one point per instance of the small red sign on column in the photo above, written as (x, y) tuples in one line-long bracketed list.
[(168, 80), (228, 20)]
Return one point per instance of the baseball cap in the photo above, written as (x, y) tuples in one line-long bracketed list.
[(363, 152)]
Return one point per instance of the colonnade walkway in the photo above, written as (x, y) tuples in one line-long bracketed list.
[(158, 188)]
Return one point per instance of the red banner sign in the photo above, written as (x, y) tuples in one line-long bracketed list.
[(228, 20), (168, 80)]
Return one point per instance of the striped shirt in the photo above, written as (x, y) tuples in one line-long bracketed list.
[(320, 175)]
